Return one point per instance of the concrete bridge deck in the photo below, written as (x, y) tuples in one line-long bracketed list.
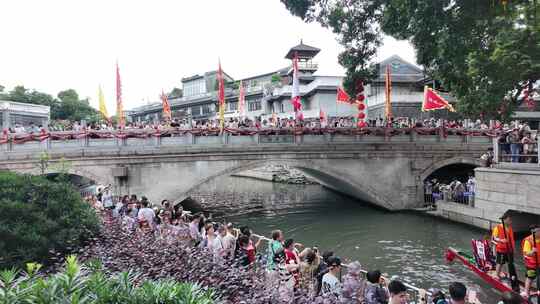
[(385, 171)]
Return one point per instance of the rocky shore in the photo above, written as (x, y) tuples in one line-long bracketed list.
[(278, 174)]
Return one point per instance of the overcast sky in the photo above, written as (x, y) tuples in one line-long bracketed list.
[(60, 44)]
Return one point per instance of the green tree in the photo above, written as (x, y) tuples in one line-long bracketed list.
[(74, 108), (276, 79), (22, 94), (38, 216), (481, 51)]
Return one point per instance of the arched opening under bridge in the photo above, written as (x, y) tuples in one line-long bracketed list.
[(523, 221), (450, 181), (212, 190)]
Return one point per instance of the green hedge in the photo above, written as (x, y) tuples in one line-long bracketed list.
[(38, 216), (89, 285)]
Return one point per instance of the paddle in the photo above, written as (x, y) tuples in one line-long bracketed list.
[(536, 257), (511, 267)]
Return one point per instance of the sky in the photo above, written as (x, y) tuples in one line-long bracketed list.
[(61, 44)]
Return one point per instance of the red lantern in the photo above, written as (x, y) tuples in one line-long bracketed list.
[(361, 115), (361, 124), (359, 87), (361, 106)]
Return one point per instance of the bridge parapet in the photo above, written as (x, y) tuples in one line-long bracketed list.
[(60, 141)]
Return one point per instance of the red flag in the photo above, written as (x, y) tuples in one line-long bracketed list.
[(295, 95), (221, 97), (241, 99), (388, 93), (342, 96), (322, 115), (433, 101), (119, 106), (167, 115)]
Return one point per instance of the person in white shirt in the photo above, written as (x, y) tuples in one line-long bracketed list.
[(228, 243), (330, 281), (146, 215), (213, 243)]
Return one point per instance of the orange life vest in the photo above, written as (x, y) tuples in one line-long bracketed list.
[(503, 247), (530, 261)]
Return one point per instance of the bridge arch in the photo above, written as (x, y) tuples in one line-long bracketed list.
[(326, 176), (447, 162)]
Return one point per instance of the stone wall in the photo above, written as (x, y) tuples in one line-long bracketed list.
[(498, 191)]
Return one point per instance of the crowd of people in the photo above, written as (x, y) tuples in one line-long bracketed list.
[(290, 266), (518, 144), (458, 191), (260, 123)]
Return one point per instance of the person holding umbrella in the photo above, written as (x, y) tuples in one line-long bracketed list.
[(530, 248)]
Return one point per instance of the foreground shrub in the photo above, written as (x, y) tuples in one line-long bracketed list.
[(89, 285), (155, 259), (39, 216)]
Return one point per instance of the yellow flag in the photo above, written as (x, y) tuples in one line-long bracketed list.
[(102, 107)]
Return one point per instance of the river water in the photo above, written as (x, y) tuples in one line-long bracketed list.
[(409, 245)]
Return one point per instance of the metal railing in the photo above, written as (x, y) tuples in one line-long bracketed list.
[(516, 153)]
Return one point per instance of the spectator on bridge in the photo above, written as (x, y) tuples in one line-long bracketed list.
[(528, 147), (515, 145)]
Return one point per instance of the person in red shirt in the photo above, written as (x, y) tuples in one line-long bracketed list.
[(291, 257), (504, 242)]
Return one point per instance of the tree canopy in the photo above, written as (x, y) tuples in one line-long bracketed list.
[(67, 105), (484, 52)]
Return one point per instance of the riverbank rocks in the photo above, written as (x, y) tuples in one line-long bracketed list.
[(278, 174)]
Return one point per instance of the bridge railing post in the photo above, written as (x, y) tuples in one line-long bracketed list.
[(190, 138), (413, 136)]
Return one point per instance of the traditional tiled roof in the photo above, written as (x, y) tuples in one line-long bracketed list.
[(401, 71), (302, 49)]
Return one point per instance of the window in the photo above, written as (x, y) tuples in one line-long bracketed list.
[(196, 110), (254, 105), (195, 87), (233, 106), (206, 109)]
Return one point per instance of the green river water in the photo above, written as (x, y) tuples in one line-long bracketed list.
[(409, 245)]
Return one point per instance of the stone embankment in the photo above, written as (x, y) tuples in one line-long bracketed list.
[(278, 174)]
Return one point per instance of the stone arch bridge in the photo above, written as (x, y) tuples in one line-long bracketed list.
[(386, 172)]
